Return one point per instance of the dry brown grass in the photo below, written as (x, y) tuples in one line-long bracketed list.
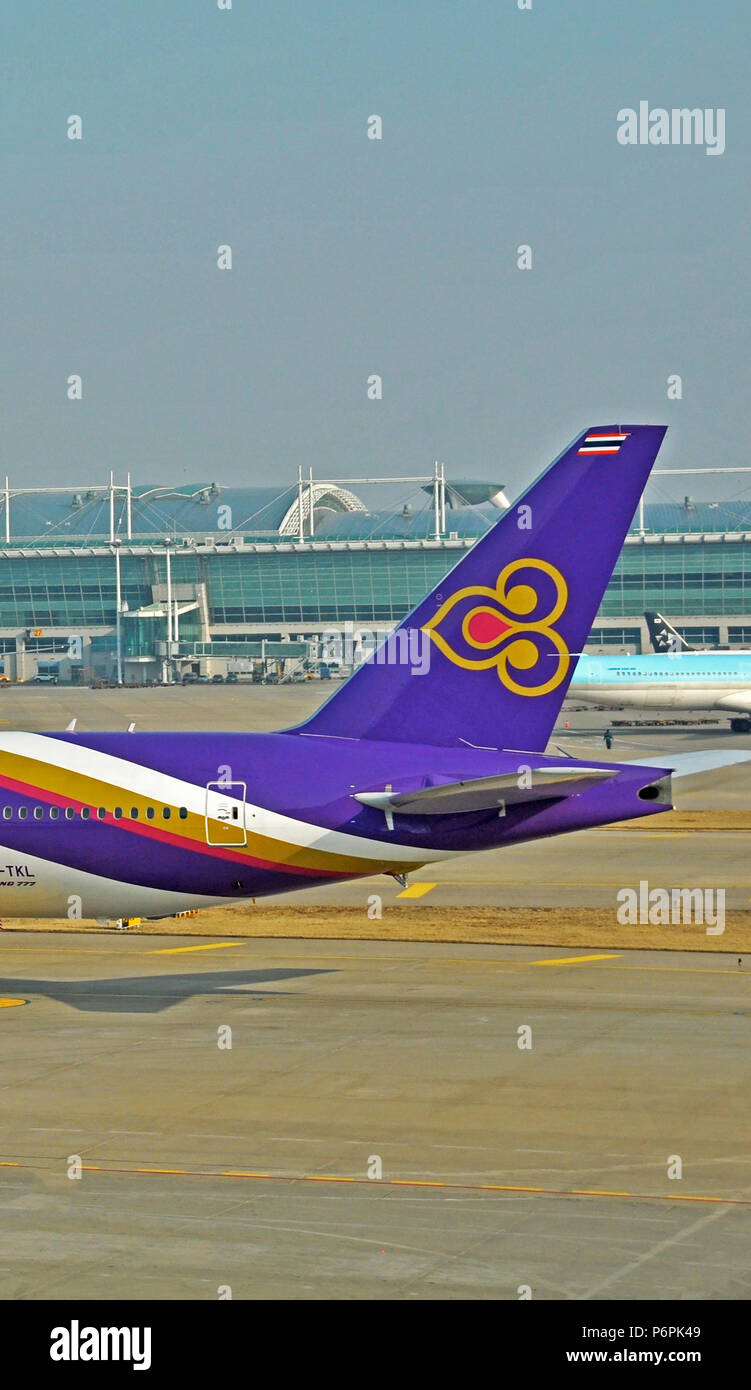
[(588, 928)]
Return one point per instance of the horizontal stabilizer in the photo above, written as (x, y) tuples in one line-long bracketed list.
[(705, 760), (487, 793)]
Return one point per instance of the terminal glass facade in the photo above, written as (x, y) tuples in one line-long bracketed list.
[(301, 587), (689, 576), (235, 594)]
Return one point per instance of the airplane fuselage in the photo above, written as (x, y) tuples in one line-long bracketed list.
[(121, 825), (680, 680)]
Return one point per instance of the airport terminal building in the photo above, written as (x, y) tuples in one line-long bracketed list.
[(206, 576)]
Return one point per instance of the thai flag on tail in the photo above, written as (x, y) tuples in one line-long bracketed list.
[(602, 443)]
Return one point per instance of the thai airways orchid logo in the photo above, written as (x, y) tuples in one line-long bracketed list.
[(511, 627)]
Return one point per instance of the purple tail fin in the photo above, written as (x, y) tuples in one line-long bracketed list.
[(497, 632)]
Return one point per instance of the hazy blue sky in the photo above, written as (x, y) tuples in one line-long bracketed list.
[(351, 256)]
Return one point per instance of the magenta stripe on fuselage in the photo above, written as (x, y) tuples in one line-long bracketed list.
[(27, 835)]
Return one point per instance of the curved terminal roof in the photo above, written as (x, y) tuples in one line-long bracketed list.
[(659, 517), (403, 524), (196, 509), (270, 514), (697, 516)]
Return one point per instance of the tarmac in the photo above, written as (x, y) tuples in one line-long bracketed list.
[(392, 1120), (508, 1159)]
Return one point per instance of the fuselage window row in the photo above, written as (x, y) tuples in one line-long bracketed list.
[(89, 812)]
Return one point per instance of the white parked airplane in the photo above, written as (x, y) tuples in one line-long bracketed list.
[(716, 680)]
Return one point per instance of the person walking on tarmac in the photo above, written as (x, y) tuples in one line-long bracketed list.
[(608, 737)]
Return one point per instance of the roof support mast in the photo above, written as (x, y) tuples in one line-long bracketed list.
[(112, 508)]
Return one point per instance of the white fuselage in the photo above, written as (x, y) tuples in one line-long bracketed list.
[(675, 680)]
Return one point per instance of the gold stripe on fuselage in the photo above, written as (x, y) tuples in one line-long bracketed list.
[(80, 789)]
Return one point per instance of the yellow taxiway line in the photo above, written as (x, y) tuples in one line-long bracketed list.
[(572, 960), (419, 1183), (416, 890), (183, 950), (254, 943)]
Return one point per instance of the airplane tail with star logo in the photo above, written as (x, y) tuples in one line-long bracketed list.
[(485, 660)]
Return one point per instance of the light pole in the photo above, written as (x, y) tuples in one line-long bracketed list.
[(169, 608), (118, 638)]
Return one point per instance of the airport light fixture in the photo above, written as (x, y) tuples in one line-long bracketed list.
[(116, 543)]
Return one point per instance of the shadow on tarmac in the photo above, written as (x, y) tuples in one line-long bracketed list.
[(148, 994)]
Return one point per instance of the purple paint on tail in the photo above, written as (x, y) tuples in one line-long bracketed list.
[(501, 626)]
